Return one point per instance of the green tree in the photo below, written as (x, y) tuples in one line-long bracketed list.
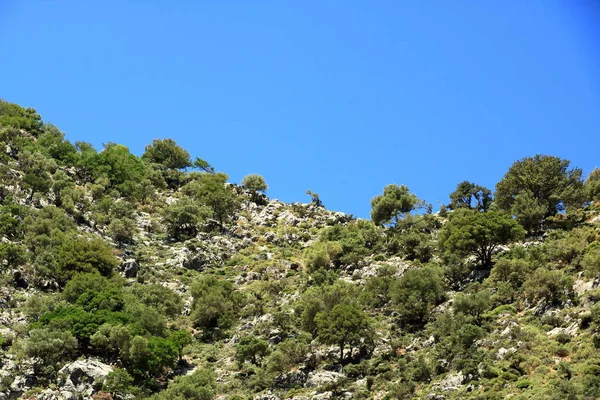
[(215, 303), (119, 384), (183, 217), (159, 297), (150, 355), (550, 286), (316, 200), (250, 348), (395, 202), (478, 234), (211, 190), (254, 182), (22, 118), (547, 178), (592, 185), (181, 338), (199, 385), (167, 153), (529, 211), (48, 347), (472, 196), (416, 294), (344, 325)]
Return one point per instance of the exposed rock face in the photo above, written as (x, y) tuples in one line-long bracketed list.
[(84, 376), (129, 268), (290, 380), (316, 379)]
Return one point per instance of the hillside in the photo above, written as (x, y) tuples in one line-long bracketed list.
[(154, 277)]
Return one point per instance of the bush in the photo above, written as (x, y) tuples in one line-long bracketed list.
[(416, 294), (550, 286), (49, 347), (250, 348), (215, 303)]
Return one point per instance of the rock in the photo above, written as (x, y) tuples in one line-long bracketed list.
[(452, 382), (569, 330), (266, 396), (289, 380), (84, 376), (502, 352), (129, 268), (319, 378)]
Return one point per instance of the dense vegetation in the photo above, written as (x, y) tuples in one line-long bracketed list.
[(189, 287)]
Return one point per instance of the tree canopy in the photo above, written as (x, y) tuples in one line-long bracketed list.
[(395, 202), (478, 234), (548, 179)]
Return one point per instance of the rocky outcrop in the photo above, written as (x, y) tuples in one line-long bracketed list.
[(83, 377)]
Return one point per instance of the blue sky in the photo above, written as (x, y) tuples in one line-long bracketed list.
[(339, 97)]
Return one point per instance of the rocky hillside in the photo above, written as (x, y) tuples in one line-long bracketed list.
[(154, 277)]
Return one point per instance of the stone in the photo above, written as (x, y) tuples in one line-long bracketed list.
[(129, 268), (319, 378), (452, 382), (84, 376), (289, 380)]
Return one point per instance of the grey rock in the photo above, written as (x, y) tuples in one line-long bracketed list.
[(129, 268), (84, 376), (319, 378), (289, 380)]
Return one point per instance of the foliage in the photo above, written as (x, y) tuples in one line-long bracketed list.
[(395, 202), (550, 286), (478, 234), (250, 348), (471, 196), (254, 182), (167, 153), (183, 217), (21, 118), (199, 385), (215, 304), (592, 185), (547, 178), (529, 211), (48, 347), (344, 325), (212, 191), (416, 293)]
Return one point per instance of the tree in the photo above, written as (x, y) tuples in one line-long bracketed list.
[(472, 196), (167, 153), (547, 178), (212, 191), (180, 338), (395, 202), (529, 211), (478, 234), (22, 118), (316, 200), (344, 325), (203, 165), (592, 185), (249, 348), (416, 293), (48, 348), (199, 385), (254, 182), (215, 303), (182, 218)]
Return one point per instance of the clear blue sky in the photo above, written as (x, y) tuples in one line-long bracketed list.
[(339, 97)]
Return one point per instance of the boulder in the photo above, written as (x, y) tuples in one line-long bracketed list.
[(289, 380), (83, 376), (319, 378), (129, 268)]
